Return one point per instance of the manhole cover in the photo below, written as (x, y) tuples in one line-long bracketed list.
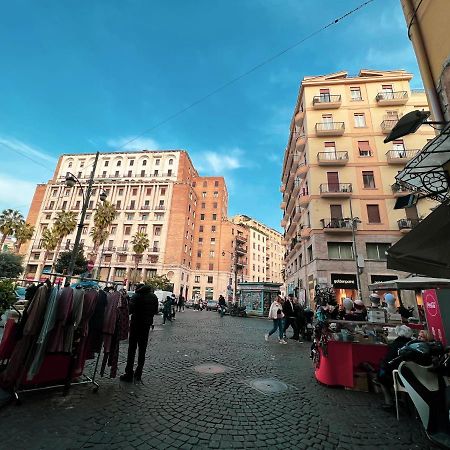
[(268, 385), (210, 368)]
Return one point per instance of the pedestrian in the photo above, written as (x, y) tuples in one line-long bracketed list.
[(167, 310), (174, 305), (290, 319), (222, 305), (300, 318), (142, 307), (196, 303), (276, 314), (180, 303)]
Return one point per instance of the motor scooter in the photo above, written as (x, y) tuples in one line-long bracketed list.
[(238, 311), (425, 374)]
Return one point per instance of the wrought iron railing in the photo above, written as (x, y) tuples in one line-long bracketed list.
[(337, 223), (330, 126), (407, 224), (326, 98), (402, 154), (326, 188), (332, 156), (396, 95)]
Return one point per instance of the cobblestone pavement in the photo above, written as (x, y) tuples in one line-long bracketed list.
[(179, 408)]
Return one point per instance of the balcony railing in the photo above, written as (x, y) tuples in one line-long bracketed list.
[(146, 207), (392, 98), (398, 189), (335, 188), (326, 101), (241, 250), (241, 238), (401, 156), (332, 157), (330, 128), (122, 249), (388, 124), (337, 224), (407, 224), (160, 207), (154, 249)]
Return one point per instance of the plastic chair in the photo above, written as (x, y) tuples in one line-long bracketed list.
[(398, 387)]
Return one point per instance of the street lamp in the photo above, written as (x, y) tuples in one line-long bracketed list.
[(355, 221), (71, 181)]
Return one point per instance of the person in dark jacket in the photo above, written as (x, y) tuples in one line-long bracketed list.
[(143, 306), (290, 318)]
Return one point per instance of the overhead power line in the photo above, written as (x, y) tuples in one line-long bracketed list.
[(248, 72)]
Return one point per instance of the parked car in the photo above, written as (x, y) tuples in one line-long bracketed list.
[(212, 305)]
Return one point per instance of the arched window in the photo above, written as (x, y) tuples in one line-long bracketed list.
[(69, 165), (144, 163), (119, 163), (170, 162)]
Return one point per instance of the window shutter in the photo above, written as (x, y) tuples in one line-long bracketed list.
[(373, 213)]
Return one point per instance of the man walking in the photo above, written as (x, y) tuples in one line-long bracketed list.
[(290, 316), (143, 306)]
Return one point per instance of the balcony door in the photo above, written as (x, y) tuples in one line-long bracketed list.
[(333, 181), (330, 151), (327, 120), (388, 91), (412, 214), (325, 95), (336, 215), (398, 148)]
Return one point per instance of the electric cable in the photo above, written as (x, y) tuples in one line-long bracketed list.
[(412, 19)]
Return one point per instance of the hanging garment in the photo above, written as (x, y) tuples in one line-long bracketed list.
[(75, 319), (95, 337), (124, 316), (63, 313), (110, 327), (9, 339), (47, 326), (23, 351)]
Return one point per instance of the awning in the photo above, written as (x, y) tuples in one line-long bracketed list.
[(425, 250), (410, 284)]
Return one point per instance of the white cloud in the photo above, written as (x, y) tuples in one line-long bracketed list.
[(218, 163), (140, 143), (16, 193), (24, 149)]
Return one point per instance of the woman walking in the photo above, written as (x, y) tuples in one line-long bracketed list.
[(276, 314)]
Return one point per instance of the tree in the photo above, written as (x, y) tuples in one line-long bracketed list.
[(160, 282), (49, 241), (7, 293), (63, 262), (140, 243), (10, 265), (23, 232), (65, 223), (103, 218), (9, 219)]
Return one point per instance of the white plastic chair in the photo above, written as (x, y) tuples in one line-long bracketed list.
[(398, 387)]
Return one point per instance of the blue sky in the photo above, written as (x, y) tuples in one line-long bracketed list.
[(81, 76)]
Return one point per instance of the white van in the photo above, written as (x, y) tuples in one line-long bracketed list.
[(162, 295)]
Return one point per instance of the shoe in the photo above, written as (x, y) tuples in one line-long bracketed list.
[(282, 341), (300, 342), (126, 377), (266, 337)]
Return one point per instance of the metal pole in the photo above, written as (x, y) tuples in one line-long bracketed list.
[(355, 252), (81, 224), (235, 276)]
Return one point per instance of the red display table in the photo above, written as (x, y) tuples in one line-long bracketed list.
[(343, 359)]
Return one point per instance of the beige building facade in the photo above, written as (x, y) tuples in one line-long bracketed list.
[(158, 193), (338, 180), (265, 250)]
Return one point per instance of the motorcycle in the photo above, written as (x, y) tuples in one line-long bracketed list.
[(238, 311), (425, 374)]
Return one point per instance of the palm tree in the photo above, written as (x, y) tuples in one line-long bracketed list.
[(140, 243), (23, 232), (9, 219), (49, 241), (65, 223)]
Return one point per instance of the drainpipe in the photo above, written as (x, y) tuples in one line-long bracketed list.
[(415, 35)]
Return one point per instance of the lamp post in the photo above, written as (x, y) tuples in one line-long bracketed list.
[(71, 180), (355, 221)]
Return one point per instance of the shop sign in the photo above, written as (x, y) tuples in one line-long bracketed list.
[(344, 281), (433, 315), (381, 278)]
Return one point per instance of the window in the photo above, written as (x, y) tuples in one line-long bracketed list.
[(310, 253), (211, 253), (116, 173), (213, 228), (355, 93), (199, 253), (215, 205), (364, 149), (104, 174), (144, 217), (113, 230), (205, 184), (91, 204), (200, 229), (148, 191), (157, 231), (169, 173), (69, 165), (197, 279), (132, 204), (216, 183), (142, 229), (77, 205), (155, 173), (213, 241), (82, 163), (202, 217), (120, 272), (211, 266), (368, 180), (203, 194), (118, 204), (119, 163), (134, 191), (157, 161), (144, 163), (360, 120), (216, 194), (210, 279), (203, 205), (377, 251), (170, 162), (373, 213), (197, 266), (324, 95), (214, 217), (127, 230), (340, 250), (106, 163), (142, 173), (130, 173), (131, 162), (387, 91)]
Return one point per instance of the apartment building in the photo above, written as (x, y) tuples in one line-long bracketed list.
[(155, 192), (265, 250), (338, 180)]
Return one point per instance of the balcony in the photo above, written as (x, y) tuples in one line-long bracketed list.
[(108, 249), (301, 171), (160, 208), (283, 222), (241, 250), (154, 249), (386, 98), (400, 156), (388, 124), (326, 101), (122, 249), (300, 142), (332, 158), (336, 225), (299, 117), (145, 207), (398, 190), (405, 225), (282, 188), (283, 204), (241, 238), (303, 199), (330, 128), (336, 190), (130, 207)]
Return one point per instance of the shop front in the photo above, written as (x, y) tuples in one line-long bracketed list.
[(257, 297), (345, 285)]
